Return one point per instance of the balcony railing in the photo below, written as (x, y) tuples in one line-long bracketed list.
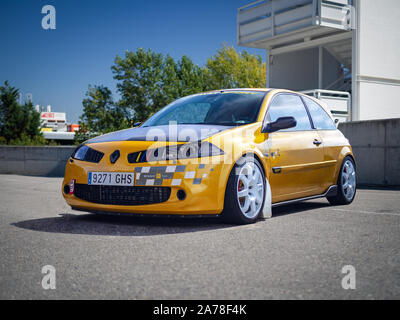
[(265, 20)]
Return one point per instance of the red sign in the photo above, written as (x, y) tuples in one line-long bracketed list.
[(47, 115)]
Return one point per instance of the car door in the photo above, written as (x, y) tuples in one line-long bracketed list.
[(332, 140), (295, 154)]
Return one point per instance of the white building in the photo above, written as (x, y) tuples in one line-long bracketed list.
[(346, 52), (54, 124)]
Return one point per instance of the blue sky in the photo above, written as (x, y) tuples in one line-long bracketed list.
[(57, 66)]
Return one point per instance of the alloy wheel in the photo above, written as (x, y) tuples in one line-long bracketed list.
[(250, 189)]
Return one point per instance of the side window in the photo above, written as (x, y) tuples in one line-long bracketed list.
[(289, 105), (320, 118)]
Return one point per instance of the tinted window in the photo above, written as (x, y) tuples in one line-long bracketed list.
[(289, 105), (219, 108), (319, 116)]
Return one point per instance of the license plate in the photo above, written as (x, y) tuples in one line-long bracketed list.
[(111, 178)]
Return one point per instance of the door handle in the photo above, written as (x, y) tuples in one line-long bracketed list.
[(317, 142)]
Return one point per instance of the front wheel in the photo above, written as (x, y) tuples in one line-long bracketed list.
[(346, 183), (245, 192)]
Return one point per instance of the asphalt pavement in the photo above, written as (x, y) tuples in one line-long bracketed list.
[(297, 254)]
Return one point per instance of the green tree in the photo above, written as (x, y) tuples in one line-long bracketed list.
[(191, 77), (170, 80), (31, 120), (232, 69), (147, 81), (100, 114), (139, 77), (11, 114), (18, 124)]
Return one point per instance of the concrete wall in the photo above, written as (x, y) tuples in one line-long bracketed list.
[(376, 145), (35, 161)]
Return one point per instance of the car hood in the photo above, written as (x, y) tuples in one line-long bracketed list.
[(176, 133)]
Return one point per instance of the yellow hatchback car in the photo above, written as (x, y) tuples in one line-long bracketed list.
[(232, 153)]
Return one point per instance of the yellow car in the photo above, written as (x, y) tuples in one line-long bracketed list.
[(232, 153)]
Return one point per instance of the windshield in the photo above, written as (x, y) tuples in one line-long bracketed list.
[(229, 108)]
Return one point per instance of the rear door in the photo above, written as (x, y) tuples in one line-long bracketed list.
[(295, 154)]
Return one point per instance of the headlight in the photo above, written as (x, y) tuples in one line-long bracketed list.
[(181, 151), (84, 153)]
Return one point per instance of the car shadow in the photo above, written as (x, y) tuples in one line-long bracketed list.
[(298, 207), (108, 225), (131, 225)]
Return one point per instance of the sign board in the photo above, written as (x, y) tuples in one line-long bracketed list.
[(55, 116)]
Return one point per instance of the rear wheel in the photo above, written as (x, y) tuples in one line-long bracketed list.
[(346, 183), (245, 192)]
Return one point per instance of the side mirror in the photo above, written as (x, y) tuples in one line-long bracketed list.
[(279, 124), (137, 124)]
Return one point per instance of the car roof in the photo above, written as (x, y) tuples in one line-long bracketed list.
[(240, 89)]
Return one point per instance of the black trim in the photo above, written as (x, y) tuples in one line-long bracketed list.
[(308, 112), (332, 191), (122, 195), (276, 169), (148, 215)]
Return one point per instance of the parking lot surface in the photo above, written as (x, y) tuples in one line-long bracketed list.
[(297, 254)]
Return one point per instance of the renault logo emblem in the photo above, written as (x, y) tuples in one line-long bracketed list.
[(114, 156)]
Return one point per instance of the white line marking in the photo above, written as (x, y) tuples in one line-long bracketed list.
[(368, 212)]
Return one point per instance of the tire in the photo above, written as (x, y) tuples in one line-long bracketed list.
[(346, 183), (246, 209)]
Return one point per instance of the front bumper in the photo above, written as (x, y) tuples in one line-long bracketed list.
[(203, 181)]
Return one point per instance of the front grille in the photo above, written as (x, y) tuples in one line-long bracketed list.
[(122, 195)]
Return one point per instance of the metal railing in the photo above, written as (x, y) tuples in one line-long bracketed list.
[(339, 102), (269, 18)]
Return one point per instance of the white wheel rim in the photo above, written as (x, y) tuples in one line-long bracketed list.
[(348, 180), (250, 190)]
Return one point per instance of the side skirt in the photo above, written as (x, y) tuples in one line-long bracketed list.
[(332, 191)]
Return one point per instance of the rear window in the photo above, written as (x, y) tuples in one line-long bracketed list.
[(320, 118)]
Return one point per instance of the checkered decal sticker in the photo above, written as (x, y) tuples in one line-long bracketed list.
[(155, 176)]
